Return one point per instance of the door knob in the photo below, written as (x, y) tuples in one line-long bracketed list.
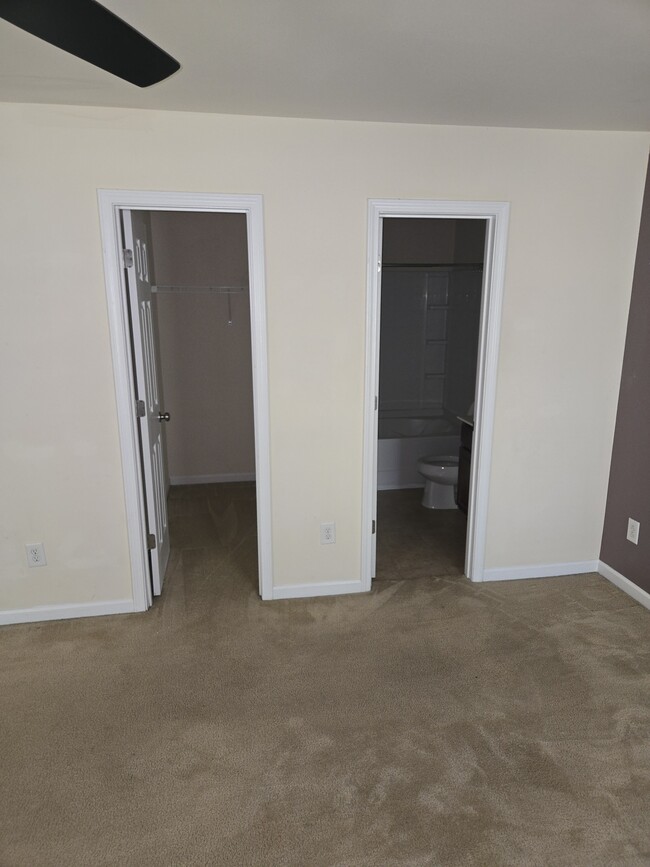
[(163, 416)]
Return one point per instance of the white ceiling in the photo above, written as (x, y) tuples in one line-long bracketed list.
[(573, 64)]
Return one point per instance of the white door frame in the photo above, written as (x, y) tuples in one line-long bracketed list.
[(111, 203), (496, 214)]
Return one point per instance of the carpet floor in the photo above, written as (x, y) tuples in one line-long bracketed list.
[(429, 722)]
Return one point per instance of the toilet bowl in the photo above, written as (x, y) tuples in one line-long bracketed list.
[(440, 479)]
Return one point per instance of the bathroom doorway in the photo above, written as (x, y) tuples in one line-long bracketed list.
[(434, 300), (431, 290)]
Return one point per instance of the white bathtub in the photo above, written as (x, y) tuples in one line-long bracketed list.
[(403, 439)]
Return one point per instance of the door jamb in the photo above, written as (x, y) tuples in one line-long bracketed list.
[(497, 215), (111, 203)]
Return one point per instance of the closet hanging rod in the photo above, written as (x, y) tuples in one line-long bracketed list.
[(219, 290)]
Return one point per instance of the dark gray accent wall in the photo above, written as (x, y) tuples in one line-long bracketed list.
[(628, 495)]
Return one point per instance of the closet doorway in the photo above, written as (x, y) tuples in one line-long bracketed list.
[(187, 311)]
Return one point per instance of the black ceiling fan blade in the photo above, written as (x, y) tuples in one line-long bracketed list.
[(88, 30)]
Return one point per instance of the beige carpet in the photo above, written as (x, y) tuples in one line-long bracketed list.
[(431, 722)]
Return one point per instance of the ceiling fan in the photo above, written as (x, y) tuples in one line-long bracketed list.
[(88, 30)]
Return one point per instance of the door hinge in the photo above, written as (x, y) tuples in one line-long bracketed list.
[(128, 257), (376, 401), (140, 409), (374, 527), (151, 542)]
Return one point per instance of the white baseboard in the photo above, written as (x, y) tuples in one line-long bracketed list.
[(66, 612), (331, 588), (212, 479), (624, 584), (544, 570)]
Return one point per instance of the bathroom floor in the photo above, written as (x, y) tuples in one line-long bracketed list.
[(414, 542)]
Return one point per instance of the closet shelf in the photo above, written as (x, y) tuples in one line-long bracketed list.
[(469, 266), (217, 290)]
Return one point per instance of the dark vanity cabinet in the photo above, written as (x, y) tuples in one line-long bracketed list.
[(464, 464)]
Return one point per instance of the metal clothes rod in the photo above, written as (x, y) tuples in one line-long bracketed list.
[(473, 266), (218, 290)]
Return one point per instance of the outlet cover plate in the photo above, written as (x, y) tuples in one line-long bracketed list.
[(35, 554), (328, 533), (633, 528)]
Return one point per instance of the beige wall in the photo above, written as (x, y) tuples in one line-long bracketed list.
[(205, 362), (575, 197)]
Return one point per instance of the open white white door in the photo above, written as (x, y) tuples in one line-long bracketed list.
[(150, 413), (379, 230)]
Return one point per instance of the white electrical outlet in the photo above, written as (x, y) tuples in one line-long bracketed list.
[(35, 554), (633, 528), (328, 533)]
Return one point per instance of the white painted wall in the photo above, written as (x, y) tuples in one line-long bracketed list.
[(205, 362), (575, 197)]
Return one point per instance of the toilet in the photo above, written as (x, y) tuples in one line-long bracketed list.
[(440, 479)]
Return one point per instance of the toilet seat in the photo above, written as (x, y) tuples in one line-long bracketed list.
[(439, 460)]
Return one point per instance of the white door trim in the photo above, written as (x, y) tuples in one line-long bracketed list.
[(497, 215), (111, 202)]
